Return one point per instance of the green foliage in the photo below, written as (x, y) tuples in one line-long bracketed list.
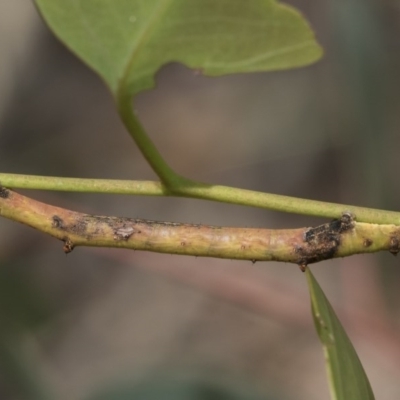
[(347, 377), (127, 41)]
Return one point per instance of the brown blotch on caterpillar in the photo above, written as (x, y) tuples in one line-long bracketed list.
[(4, 193), (367, 243), (123, 233), (77, 227), (322, 242), (68, 246), (394, 245), (58, 223)]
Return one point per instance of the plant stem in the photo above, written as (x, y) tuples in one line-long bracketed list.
[(107, 186), (145, 144), (202, 191)]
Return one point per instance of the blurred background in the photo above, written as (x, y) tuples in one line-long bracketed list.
[(74, 325)]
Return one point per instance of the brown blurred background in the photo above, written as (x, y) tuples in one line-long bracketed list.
[(75, 324)]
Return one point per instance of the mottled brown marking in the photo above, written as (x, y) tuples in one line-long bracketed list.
[(77, 228), (394, 245), (58, 223), (4, 193), (367, 243), (323, 241), (123, 233)]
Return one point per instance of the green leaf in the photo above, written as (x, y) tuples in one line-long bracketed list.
[(347, 377), (127, 41)]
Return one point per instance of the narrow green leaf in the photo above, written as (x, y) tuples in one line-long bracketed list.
[(347, 377), (127, 41)]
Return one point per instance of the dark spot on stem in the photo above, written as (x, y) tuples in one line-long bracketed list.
[(78, 227), (394, 245), (253, 261), (367, 243), (58, 223), (4, 193), (323, 241)]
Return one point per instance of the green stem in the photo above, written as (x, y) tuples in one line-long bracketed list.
[(145, 144), (108, 186), (174, 184), (202, 191), (226, 194)]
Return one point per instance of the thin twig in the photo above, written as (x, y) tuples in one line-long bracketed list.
[(204, 191)]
